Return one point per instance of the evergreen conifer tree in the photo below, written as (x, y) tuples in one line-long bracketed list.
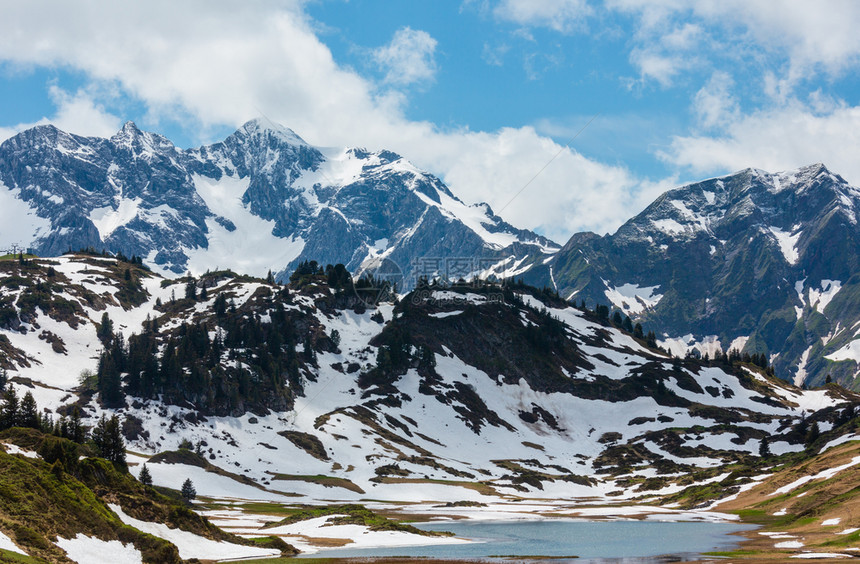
[(28, 412), (764, 448), (105, 332), (9, 411), (191, 290), (145, 477), (813, 433), (76, 430), (188, 492), (627, 324), (107, 437)]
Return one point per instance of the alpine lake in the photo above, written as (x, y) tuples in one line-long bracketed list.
[(627, 541)]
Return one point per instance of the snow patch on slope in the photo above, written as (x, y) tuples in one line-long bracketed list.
[(86, 550), (194, 546), (249, 248), (19, 223), (108, 219), (800, 376), (787, 242), (7, 543), (851, 351), (632, 298)]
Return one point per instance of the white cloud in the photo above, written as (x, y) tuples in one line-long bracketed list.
[(814, 33), (79, 113), (777, 139), (714, 104), (571, 191), (560, 15), (76, 113), (813, 36), (214, 62), (408, 58), (656, 66), (494, 55)]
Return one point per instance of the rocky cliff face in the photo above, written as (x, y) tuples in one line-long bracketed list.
[(764, 263)]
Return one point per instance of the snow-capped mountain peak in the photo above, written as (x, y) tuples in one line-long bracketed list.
[(264, 127), (263, 192)]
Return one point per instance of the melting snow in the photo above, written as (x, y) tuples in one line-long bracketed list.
[(818, 298), (800, 375), (109, 219), (823, 475), (19, 223), (841, 440), (86, 550), (6, 543), (787, 243), (669, 226), (851, 351), (251, 248), (191, 545), (632, 298), (15, 449), (788, 544)]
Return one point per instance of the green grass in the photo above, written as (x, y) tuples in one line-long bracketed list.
[(352, 514), (40, 501), (14, 557), (287, 559), (843, 540), (15, 257), (732, 553), (263, 507), (327, 481)]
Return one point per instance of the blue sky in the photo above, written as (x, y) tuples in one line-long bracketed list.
[(483, 93)]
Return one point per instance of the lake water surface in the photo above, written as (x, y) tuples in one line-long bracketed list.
[(591, 541)]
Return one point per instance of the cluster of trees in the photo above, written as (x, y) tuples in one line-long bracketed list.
[(21, 413), (622, 322), (336, 276), (106, 436), (134, 259), (247, 364)]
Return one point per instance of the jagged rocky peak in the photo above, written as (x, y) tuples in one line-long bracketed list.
[(740, 200), (141, 143), (262, 192)]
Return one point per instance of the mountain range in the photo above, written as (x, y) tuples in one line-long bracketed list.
[(759, 262), (262, 199), (764, 263)]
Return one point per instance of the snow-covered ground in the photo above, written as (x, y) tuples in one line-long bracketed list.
[(194, 546), (439, 460), (7, 543), (86, 550)]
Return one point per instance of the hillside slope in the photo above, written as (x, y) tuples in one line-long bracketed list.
[(451, 393)]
